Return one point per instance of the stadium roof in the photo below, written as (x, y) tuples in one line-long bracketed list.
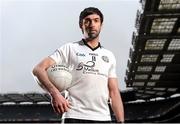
[(20, 98), (153, 68)]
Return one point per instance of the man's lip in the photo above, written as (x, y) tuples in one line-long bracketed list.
[(92, 30)]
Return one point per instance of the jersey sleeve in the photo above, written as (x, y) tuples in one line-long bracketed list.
[(112, 70), (61, 54)]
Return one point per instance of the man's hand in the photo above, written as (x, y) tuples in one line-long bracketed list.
[(59, 103)]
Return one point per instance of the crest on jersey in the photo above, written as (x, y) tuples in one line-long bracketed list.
[(105, 58)]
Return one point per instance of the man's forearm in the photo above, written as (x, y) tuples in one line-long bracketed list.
[(117, 107)]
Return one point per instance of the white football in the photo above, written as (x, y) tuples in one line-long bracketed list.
[(60, 76)]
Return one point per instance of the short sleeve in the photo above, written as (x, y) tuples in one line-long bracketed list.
[(112, 70), (61, 54)]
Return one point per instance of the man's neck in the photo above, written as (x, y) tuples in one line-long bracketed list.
[(93, 43)]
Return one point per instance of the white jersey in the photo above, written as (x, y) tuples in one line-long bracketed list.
[(89, 93)]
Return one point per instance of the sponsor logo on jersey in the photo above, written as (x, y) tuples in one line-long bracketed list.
[(89, 68), (80, 54), (93, 54), (105, 59)]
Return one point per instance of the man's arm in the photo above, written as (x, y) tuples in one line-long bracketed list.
[(116, 101), (59, 103)]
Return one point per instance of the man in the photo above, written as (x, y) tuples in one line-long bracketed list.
[(94, 76)]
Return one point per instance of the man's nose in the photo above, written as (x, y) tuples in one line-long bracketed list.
[(91, 23)]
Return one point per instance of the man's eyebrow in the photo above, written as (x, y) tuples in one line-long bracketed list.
[(91, 19)]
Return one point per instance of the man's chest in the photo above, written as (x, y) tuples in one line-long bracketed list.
[(91, 62)]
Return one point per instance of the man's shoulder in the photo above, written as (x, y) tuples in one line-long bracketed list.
[(108, 54), (80, 42), (107, 51), (73, 43)]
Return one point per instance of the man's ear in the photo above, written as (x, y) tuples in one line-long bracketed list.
[(101, 24), (80, 26)]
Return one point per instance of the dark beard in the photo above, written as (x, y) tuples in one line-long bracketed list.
[(92, 36)]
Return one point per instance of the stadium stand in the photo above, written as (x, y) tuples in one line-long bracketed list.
[(153, 68), (30, 107), (35, 107), (152, 111)]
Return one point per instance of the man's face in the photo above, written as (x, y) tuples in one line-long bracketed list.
[(91, 26)]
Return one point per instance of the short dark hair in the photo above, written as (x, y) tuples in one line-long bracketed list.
[(89, 11)]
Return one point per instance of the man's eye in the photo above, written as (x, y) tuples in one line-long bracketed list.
[(86, 22), (96, 20)]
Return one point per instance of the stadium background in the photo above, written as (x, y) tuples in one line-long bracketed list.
[(153, 73)]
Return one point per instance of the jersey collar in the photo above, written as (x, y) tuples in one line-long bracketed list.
[(85, 43)]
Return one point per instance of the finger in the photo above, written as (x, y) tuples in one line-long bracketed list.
[(65, 107), (56, 109), (61, 107), (69, 104)]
